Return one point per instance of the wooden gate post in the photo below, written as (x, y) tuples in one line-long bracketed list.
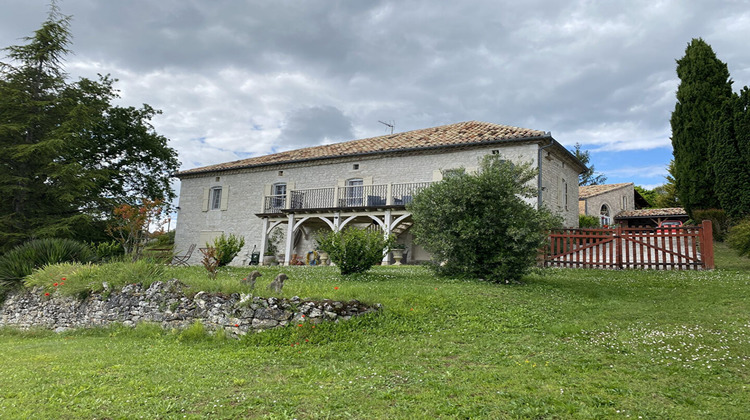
[(707, 245), (618, 246)]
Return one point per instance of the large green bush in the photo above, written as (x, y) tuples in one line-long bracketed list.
[(23, 259), (588, 222), (479, 225), (719, 221), (739, 237), (227, 247), (355, 250)]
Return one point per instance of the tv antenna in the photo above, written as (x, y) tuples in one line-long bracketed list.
[(391, 125)]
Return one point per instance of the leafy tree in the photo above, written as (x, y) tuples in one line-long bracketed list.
[(479, 225), (648, 195), (355, 250), (130, 225), (730, 154), (666, 195), (67, 155), (588, 177), (704, 87)]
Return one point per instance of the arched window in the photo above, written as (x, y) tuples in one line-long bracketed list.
[(604, 216)]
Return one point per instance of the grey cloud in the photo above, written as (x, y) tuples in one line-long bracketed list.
[(249, 77), (315, 125)]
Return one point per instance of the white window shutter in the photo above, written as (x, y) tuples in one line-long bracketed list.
[(206, 192), (225, 197)]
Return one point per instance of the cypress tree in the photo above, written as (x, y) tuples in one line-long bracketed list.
[(730, 154), (704, 87)]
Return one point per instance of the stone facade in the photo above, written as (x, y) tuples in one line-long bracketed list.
[(243, 190), (166, 303), (614, 198)]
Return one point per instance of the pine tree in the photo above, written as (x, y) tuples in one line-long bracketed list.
[(67, 156), (588, 177), (704, 86)]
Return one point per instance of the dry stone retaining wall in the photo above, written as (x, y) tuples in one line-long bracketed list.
[(167, 304)]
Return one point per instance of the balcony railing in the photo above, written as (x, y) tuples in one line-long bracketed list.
[(350, 196)]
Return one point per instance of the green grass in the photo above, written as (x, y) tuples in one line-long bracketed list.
[(565, 344)]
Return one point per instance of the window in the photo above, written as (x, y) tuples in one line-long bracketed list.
[(355, 166), (354, 192), (604, 215), (624, 202), (279, 194), (215, 198), (565, 191), (496, 152)]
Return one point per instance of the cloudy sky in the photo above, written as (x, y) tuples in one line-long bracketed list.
[(244, 78)]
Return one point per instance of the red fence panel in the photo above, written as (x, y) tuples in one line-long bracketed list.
[(673, 248)]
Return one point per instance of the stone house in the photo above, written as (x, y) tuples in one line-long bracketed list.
[(608, 200), (365, 182)]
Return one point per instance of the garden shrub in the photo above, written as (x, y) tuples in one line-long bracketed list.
[(739, 237), (719, 221), (107, 251), (479, 225), (23, 259), (165, 239), (588, 222), (227, 247), (355, 250), (76, 279)]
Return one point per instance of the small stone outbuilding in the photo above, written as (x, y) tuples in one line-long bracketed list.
[(608, 200)]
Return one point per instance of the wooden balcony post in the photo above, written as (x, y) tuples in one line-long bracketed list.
[(389, 195), (263, 239), (289, 239), (386, 233)]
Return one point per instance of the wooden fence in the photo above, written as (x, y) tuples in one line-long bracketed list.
[(672, 248)]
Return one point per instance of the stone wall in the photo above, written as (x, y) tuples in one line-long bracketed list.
[(166, 303)]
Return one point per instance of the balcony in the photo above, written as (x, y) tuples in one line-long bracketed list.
[(354, 197)]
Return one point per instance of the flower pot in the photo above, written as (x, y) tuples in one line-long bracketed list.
[(269, 260), (323, 258), (398, 255)]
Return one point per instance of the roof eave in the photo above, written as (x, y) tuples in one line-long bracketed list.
[(192, 172)]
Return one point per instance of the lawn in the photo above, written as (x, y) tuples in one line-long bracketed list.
[(564, 344)]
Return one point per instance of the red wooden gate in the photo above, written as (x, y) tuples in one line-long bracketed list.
[(673, 248)]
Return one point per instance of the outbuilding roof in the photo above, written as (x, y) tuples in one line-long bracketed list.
[(587, 191), (460, 134), (663, 212)]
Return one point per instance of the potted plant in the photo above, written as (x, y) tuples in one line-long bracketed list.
[(398, 253), (269, 257)]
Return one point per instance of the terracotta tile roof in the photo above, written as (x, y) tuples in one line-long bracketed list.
[(464, 133), (592, 190), (665, 212)]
